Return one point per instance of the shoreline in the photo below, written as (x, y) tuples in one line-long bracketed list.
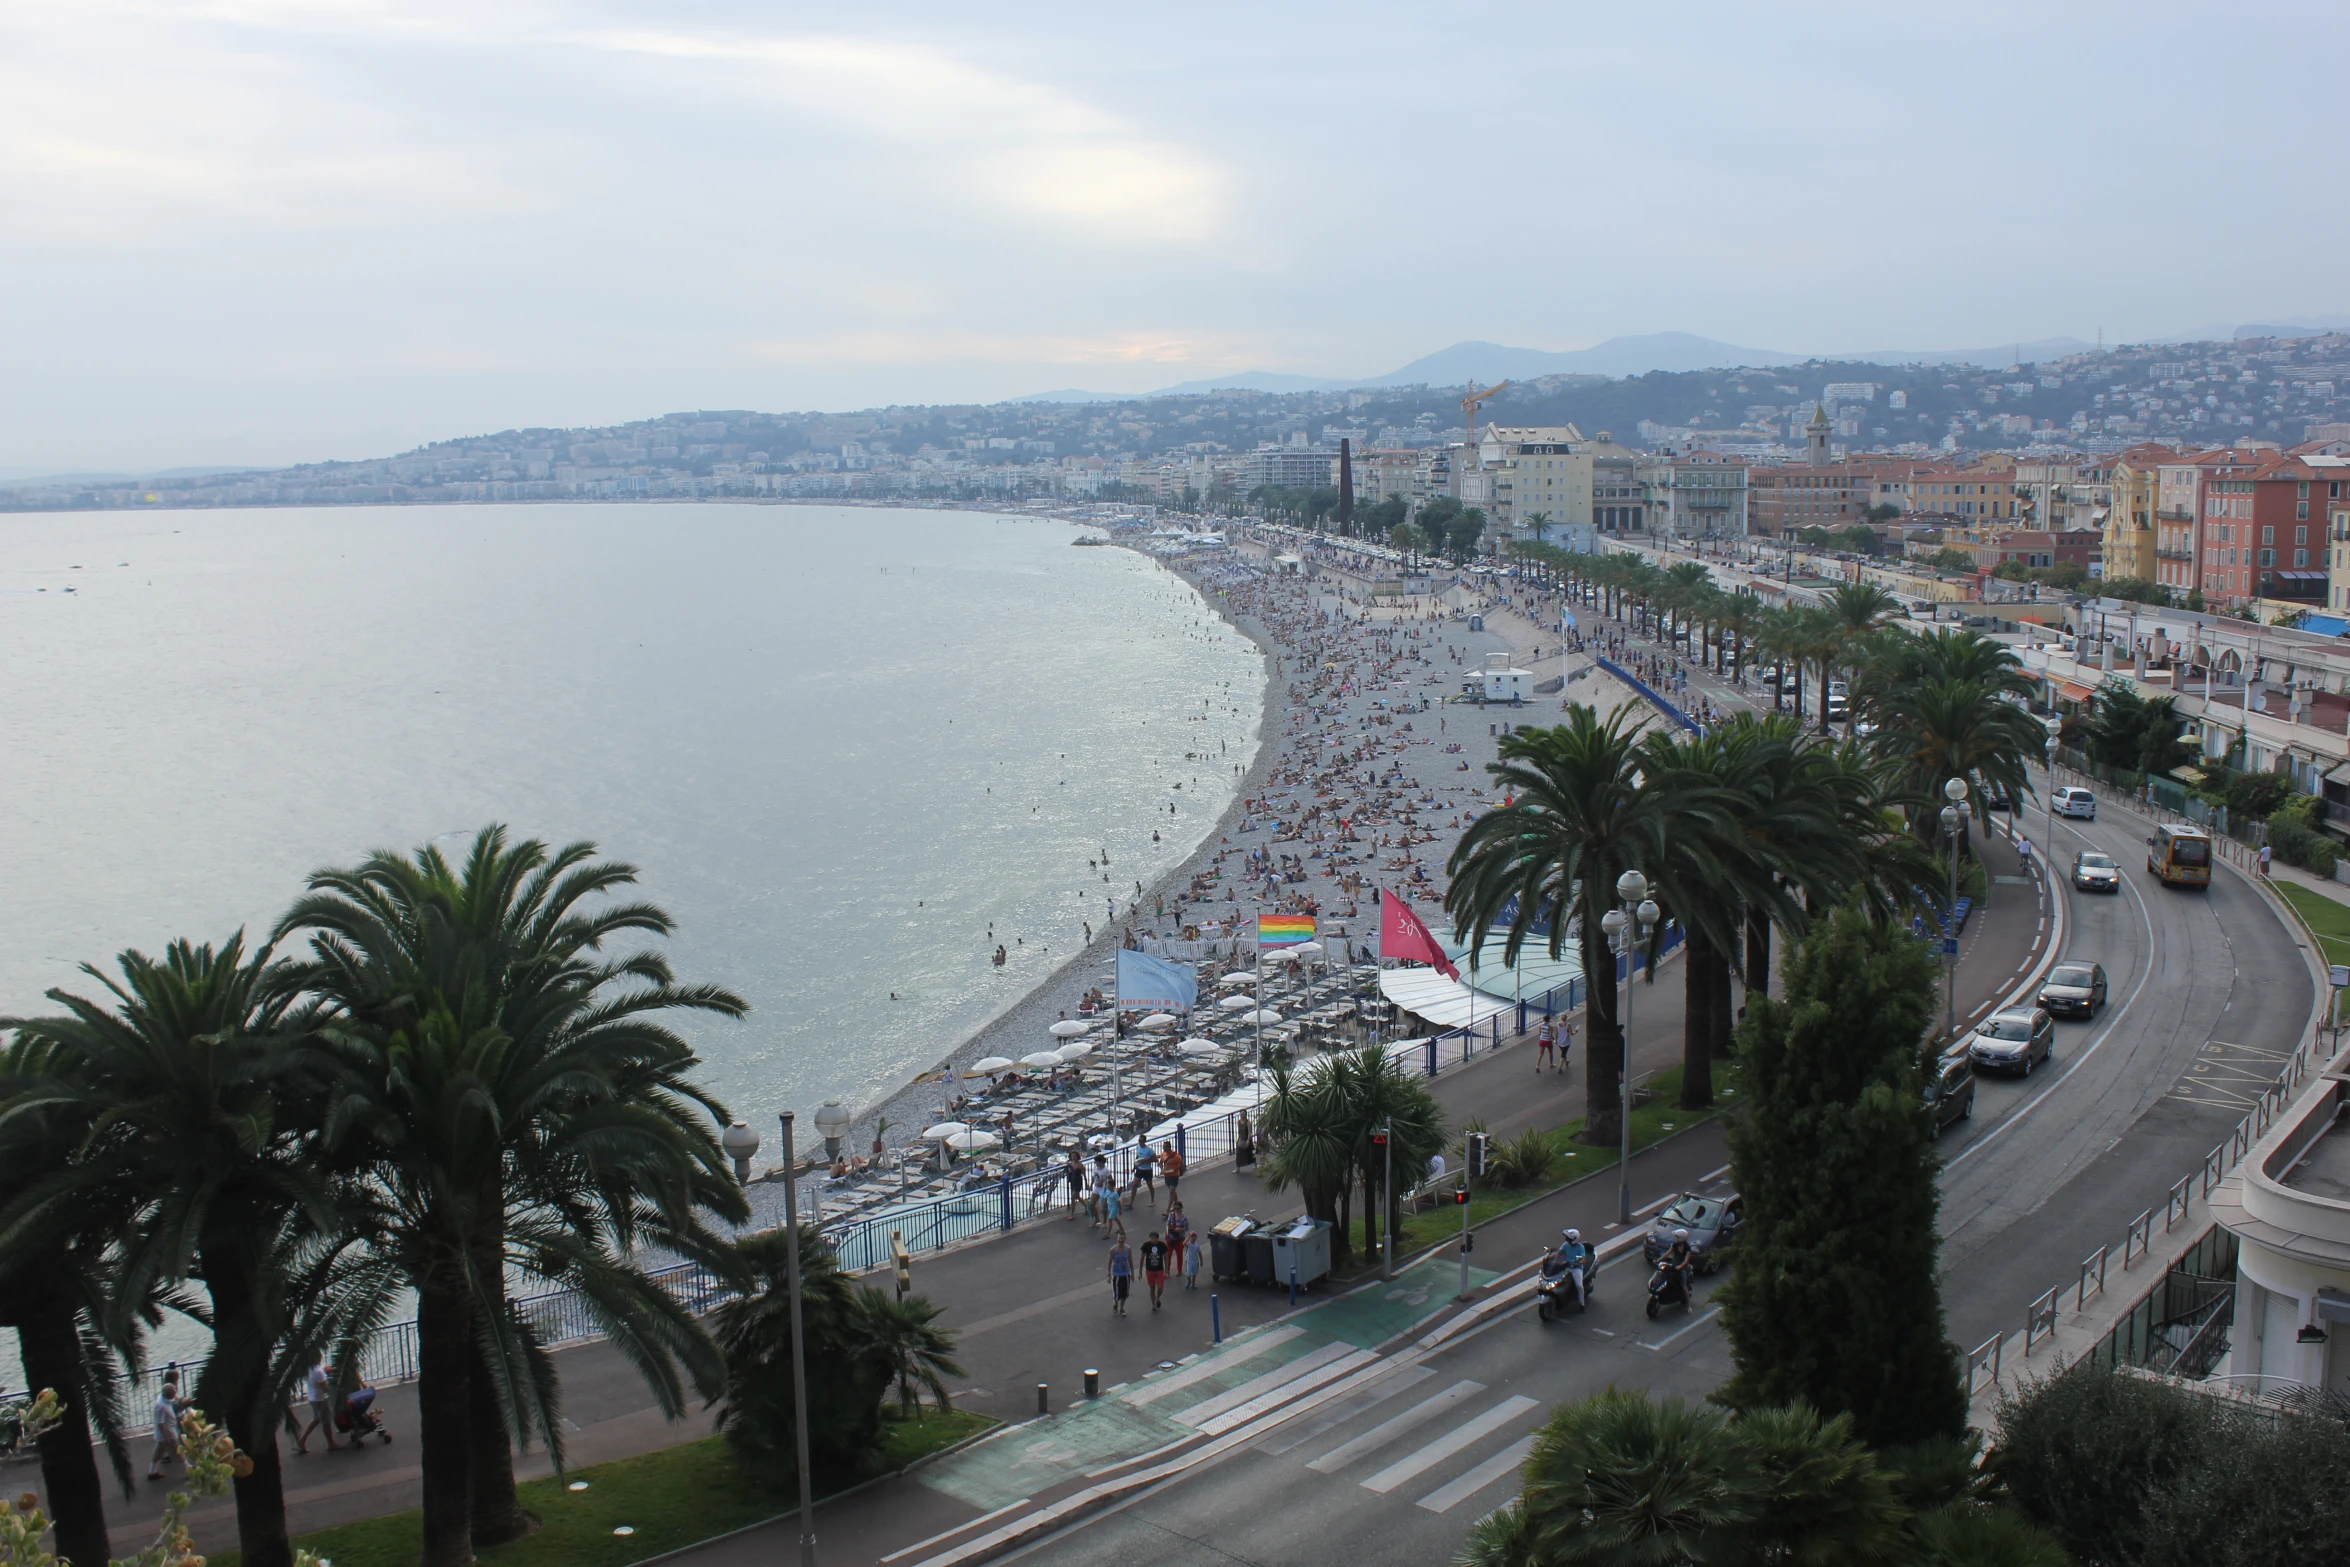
[(1024, 1017)]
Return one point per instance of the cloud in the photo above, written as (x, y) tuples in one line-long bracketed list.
[(987, 137)]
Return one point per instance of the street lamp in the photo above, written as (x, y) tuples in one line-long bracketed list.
[(1626, 927), (799, 1359), (1953, 817)]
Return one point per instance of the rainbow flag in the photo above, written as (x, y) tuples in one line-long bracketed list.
[(1284, 930)]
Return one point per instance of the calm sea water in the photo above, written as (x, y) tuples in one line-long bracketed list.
[(841, 743)]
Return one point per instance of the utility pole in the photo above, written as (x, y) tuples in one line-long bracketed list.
[(799, 1342), (1385, 1138), (1627, 926)]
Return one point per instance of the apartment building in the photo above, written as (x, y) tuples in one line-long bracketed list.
[(1574, 480), (1692, 495), (2131, 538)]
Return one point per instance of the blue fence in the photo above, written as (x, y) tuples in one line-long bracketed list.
[(1642, 686)]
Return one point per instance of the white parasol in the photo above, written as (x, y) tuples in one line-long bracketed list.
[(1230, 980), (1068, 1028), (1041, 1058), (970, 1141), (1158, 1020), (988, 1066), (1262, 1019), (944, 1130), (1237, 1003), (1074, 1052), (1200, 1047)]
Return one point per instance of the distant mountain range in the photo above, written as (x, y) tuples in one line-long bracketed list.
[(32, 476), (1670, 351)]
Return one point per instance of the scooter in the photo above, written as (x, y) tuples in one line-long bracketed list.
[(1554, 1289), (1666, 1291)]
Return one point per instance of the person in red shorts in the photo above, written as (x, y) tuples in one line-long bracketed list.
[(1154, 1267)]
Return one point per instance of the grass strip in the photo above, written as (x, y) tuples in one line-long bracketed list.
[(667, 1499), (2327, 922)]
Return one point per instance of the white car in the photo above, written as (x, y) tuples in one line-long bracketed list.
[(2074, 802)]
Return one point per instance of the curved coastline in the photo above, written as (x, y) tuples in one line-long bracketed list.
[(1018, 1025)]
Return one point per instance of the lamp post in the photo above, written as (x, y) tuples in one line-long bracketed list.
[(1953, 817), (799, 1362), (1625, 928)]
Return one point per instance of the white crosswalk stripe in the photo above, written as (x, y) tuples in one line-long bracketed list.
[(1451, 1442), (1380, 1435), (1207, 1409), (1445, 1498)]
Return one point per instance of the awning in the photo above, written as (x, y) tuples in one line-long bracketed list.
[(2074, 693), (1445, 1002), (2339, 773)]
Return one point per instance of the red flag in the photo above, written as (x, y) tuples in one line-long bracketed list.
[(1402, 934)]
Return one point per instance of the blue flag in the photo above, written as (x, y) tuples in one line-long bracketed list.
[(1148, 981)]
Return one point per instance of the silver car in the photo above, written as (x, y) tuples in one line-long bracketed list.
[(2095, 872), (2014, 1040)]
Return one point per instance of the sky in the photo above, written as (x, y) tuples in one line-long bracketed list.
[(270, 231)]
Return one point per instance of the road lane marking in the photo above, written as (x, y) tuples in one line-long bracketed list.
[(1446, 1498), (1451, 1442), (1286, 1390), (1691, 1326), (1380, 1435)]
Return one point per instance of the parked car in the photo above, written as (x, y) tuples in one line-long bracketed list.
[(2074, 802), (2013, 1040), (1712, 1223), (1950, 1093), (2095, 872), (2074, 989)]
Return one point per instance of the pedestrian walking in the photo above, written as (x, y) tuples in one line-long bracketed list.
[(1545, 1042), (1105, 1192), (1244, 1148), (1171, 1167), (1193, 1246), (1178, 1231), (168, 1407), (1566, 1042), (1121, 1274), (1154, 1267), (1146, 1167), (2264, 862), (321, 1413), (1074, 1173)]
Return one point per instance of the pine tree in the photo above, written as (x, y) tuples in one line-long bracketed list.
[(1835, 1300)]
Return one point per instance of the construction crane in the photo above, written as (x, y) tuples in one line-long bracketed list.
[(1469, 407)]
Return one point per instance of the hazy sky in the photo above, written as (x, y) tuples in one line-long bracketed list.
[(270, 230)]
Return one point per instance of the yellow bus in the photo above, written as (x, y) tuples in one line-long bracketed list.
[(2180, 855)]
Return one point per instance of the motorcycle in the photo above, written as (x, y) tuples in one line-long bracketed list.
[(1666, 1290), (1554, 1289)]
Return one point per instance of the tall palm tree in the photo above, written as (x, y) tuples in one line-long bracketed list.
[(1538, 524), (1861, 607), (1310, 1145), (1935, 730), (200, 1079), (556, 1088), (58, 1287), (1577, 821), (1378, 1093), (1737, 619)]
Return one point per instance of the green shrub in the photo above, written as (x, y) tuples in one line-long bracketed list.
[(1522, 1161)]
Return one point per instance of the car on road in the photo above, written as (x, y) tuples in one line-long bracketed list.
[(1712, 1222), (2071, 801), (2014, 1039), (1950, 1094), (2095, 872), (2074, 989)]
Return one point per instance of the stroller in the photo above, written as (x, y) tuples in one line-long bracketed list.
[(357, 1418)]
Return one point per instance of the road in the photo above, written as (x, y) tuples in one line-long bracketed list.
[(2210, 992)]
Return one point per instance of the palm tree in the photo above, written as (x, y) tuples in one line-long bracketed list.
[(1783, 636), (199, 1079), (1310, 1146), (1737, 618), (1376, 1092), (1936, 730), (904, 1332), (1578, 821), (484, 1038), (845, 1370), (1622, 1478), (1538, 524), (1861, 607), (58, 1284)]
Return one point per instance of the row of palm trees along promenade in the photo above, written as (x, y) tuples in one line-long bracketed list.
[(438, 1081)]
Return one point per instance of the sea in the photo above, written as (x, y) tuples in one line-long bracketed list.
[(850, 749)]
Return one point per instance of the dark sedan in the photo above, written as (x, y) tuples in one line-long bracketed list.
[(2074, 989), (1712, 1223), (2014, 1040)]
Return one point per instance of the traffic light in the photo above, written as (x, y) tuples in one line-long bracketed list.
[(1475, 1149), (1378, 1136), (1460, 1196)]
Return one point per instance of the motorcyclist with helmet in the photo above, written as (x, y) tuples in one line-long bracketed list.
[(1573, 1259), (1676, 1260)]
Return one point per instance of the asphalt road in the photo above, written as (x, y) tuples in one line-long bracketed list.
[(2210, 991)]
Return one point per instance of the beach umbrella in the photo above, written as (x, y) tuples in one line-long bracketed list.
[(1262, 1019), (1196, 1040), (1200, 1047), (1074, 1052), (988, 1066), (1068, 1028), (1306, 949), (970, 1141), (1230, 980), (943, 1131), (1041, 1058), (1237, 1003), (1158, 1020)]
